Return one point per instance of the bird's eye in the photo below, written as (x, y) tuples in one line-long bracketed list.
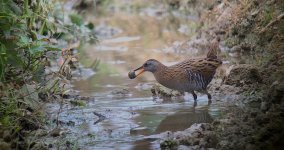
[(146, 64)]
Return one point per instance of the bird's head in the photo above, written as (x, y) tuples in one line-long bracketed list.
[(150, 65)]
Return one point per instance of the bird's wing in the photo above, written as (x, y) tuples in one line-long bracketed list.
[(200, 71)]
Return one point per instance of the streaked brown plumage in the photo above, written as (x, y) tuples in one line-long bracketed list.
[(187, 76)]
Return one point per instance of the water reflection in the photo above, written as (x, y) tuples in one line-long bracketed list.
[(131, 113), (181, 120)]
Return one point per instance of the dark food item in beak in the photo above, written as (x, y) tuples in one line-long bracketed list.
[(131, 75)]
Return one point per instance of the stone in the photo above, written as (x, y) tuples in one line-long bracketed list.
[(236, 49), (58, 132), (121, 92), (40, 146), (264, 106), (183, 147), (161, 91), (243, 74), (140, 131)]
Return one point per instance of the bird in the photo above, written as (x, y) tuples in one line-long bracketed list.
[(189, 75)]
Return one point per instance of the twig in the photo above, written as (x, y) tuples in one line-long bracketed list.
[(101, 117), (272, 22), (60, 109)]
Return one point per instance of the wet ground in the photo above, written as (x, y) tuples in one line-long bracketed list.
[(130, 112)]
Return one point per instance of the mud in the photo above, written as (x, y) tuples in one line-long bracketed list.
[(257, 123), (247, 91)]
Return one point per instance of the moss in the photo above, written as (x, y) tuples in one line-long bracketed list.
[(78, 103), (267, 16), (234, 31), (159, 90), (169, 145), (232, 41)]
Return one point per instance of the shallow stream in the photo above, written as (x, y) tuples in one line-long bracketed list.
[(131, 113)]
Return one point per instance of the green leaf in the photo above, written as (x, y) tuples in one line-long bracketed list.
[(42, 27), (14, 59), (36, 48), (31, 96), (5, 15), (33, 35), (38, 73), (49, 26), (2, 49), (15, 8), (3, 60), (24, 40)]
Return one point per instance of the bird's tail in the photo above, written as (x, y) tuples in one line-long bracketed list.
[(213, 48)]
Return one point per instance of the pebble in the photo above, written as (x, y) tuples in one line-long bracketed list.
[(131, 75), (57, 132)]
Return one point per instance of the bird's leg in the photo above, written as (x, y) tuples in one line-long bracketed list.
[(208, 95), (195, 104), (194, 95)]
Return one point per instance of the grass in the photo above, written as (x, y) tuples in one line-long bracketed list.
[(267, 16), (25, 39)]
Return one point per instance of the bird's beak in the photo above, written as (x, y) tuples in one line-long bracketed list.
[(140, 68), (132, 75)]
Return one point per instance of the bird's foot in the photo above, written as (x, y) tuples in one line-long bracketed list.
[(209, 102)]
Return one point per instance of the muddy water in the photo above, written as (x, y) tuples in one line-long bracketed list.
[(131, 113)]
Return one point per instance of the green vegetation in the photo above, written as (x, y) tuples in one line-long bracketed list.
[(78, 103), (32, 35), (22, 38), (24, 43), (169, 144), (267, 16)]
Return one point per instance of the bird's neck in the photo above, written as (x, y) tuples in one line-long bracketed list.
[(160, 72)]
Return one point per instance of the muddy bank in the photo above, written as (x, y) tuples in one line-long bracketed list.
[(252, 34), (247, 107), (250, 78), (123, 113)]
